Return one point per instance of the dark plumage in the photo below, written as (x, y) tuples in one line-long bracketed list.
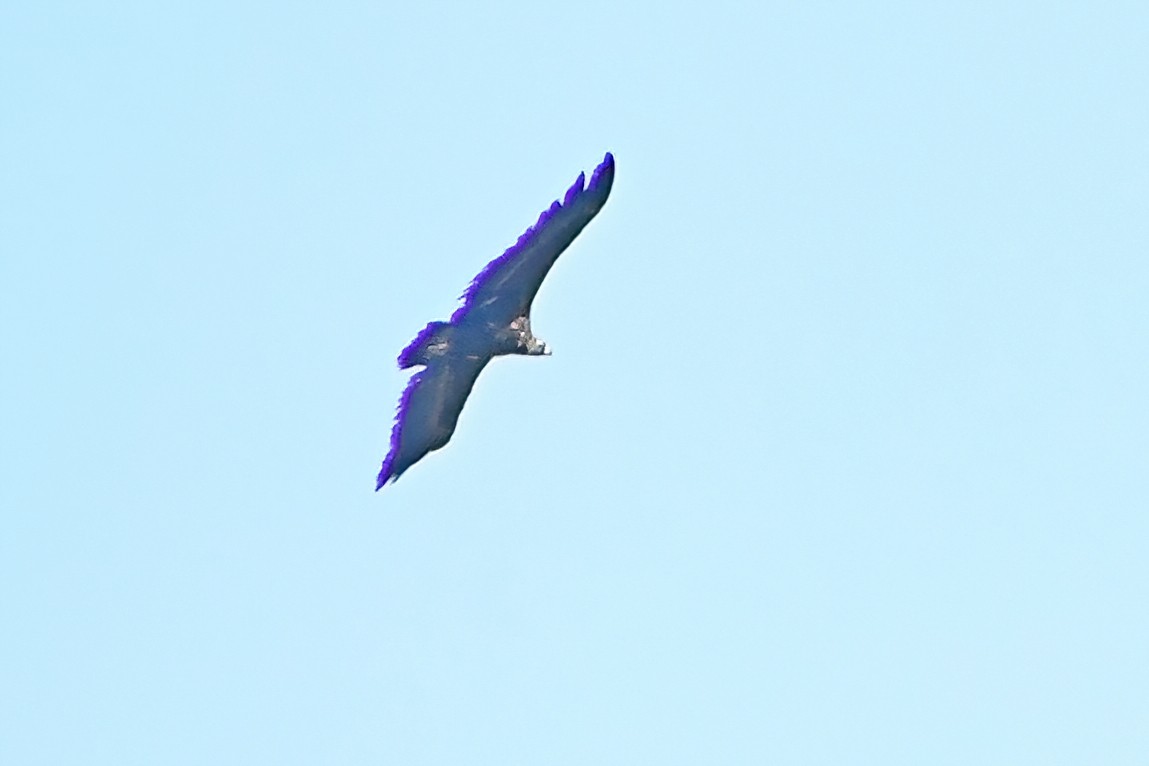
[(495, 319)]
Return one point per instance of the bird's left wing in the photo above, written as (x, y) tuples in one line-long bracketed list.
[(428, 411)]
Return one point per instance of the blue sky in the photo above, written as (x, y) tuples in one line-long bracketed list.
[(841, 456)]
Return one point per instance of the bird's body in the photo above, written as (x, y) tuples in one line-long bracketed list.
[(494, 320)]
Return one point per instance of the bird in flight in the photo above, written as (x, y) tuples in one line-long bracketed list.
[(495, 319)]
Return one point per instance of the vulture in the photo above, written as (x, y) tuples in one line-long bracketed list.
[(494, 319)]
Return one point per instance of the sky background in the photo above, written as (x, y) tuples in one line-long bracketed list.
[(842, 456)]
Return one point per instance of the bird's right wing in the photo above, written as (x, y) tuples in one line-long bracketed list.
[(428, 411), (506, 286)]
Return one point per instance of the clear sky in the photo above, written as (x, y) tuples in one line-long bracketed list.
[(842, 456)]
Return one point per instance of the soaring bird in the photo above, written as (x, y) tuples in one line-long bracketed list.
[(494, 319)]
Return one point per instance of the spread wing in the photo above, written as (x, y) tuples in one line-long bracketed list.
[(428, 411), (505, 288)]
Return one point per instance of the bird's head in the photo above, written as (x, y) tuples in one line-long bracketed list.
[(535, 347)]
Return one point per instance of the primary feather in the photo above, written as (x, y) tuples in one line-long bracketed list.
[(493, 320)]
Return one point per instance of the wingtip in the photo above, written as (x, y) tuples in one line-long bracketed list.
[(387, 472), (604, 174)]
